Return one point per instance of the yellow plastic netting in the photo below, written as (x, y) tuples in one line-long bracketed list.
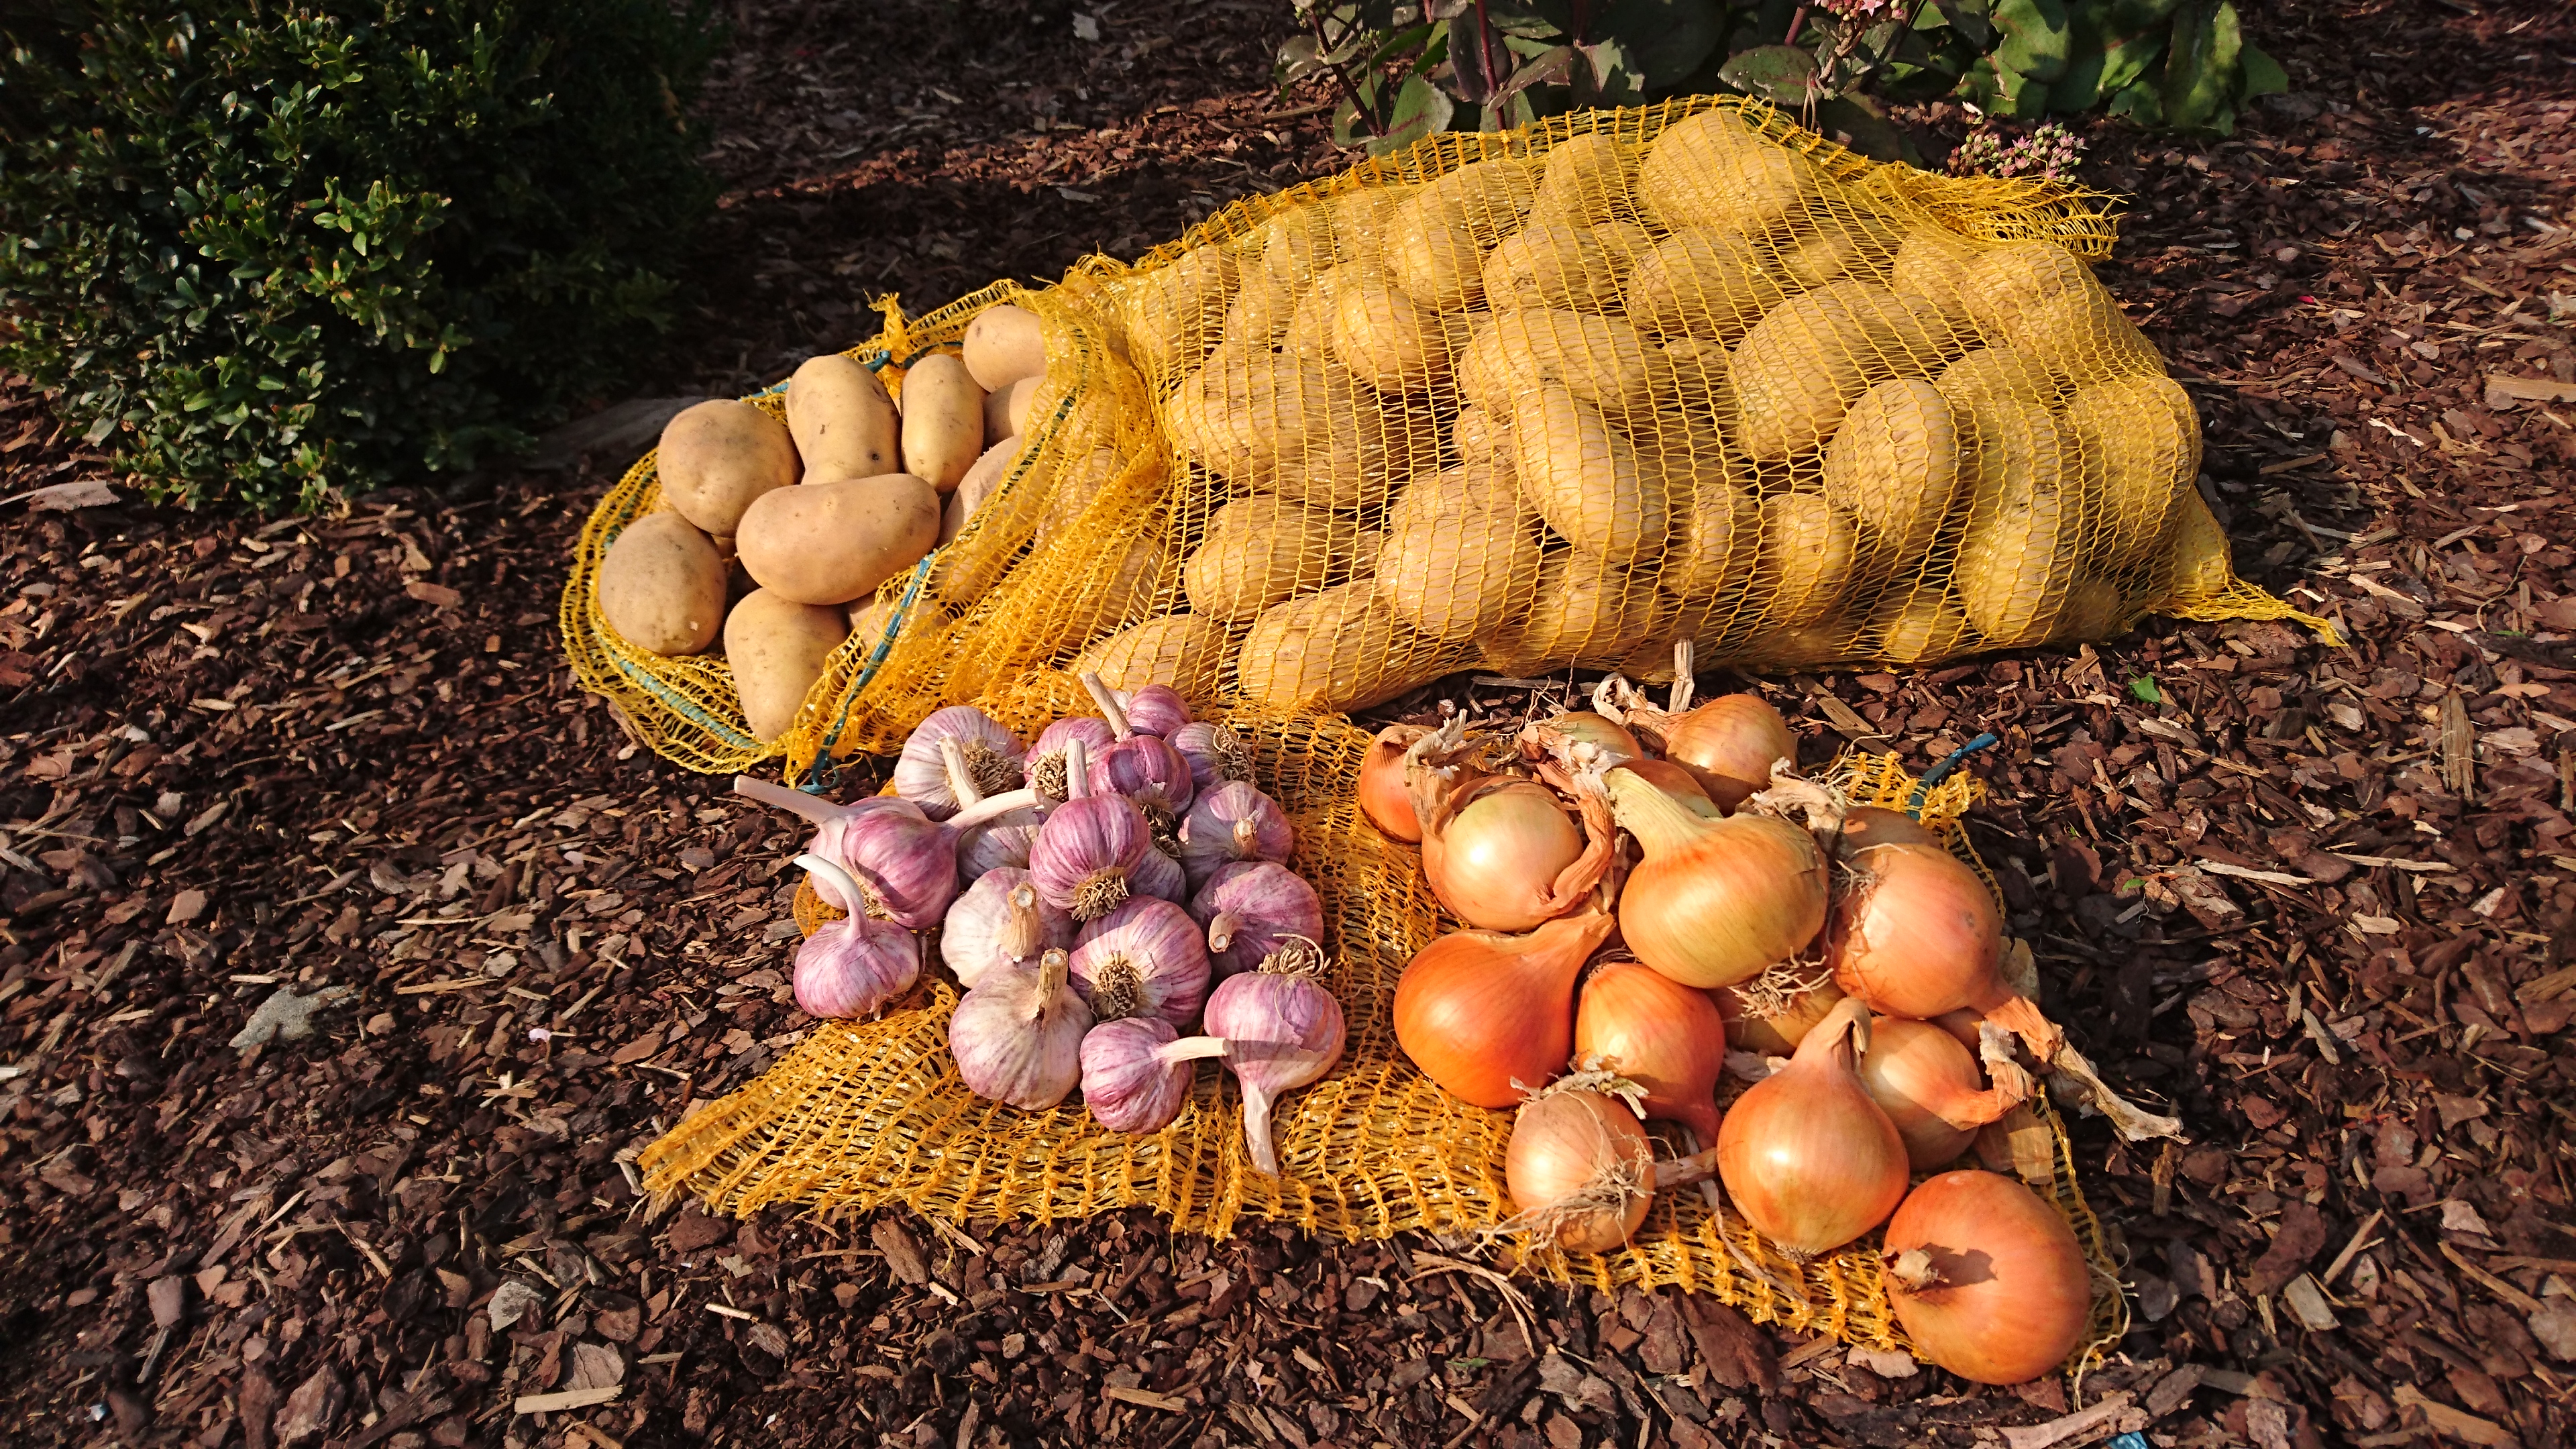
[(1531, 400), (865, 1114)]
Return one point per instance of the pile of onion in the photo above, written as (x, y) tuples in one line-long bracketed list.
[(1097, 893), (1989, 1281)]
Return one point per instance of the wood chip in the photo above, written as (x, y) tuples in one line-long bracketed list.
[(1146, 1399), (566, 1399), (2503, 392), (2491, 1282), (2444, 1419), (2059, 1431), (2268, 877)]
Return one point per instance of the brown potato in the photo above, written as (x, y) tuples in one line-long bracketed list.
[(1713, 170), (1702, 283), (1004, 344), (662, 586), (1355, 452), (1557, 264), (1810, 553), (1601, 360), (1383, 336), (1894, 464), (1834, 243), (842, 420), (829, 543), (1583, 611), (943, 421), (1261, 550), (718, 456), (1176, 313), (1006, 413), (2015, 563), (1717, 542), (1436, 256), (1341, 649), (1584, 477), (777, 648), (1184, 652), (1457, 577), (2138, 440), (971, 565), (1920, 626), (1813, 356), (1463, 491), (1588, 178)]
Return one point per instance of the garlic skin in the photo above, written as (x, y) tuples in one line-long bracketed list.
[(1282, 1030), (1147, 771), (1160, 876), (1143, 959), (1088, 848), (992, 755), (1251, 910), (1000, 921), (1156, 709), (1230, 823), (905, 865), (1136, 1072), (1001, 844), (853, 966), (1047, 757), (1017, 1036), (1215, 753)]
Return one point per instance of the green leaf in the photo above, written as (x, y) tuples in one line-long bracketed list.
[(2080, 86), (1421, 109), (2126, 58), (1871, 133), (2037, 36), (2139, 103), (2144, 687), (1665, 40), (2200, 71), (2263, 75), (1783, 74)]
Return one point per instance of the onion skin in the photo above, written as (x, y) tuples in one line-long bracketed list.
[(1805, 1154), (1658, 1033), (1496, 851), (1729, 745), (1917, 935), (1775, 1036), (1868, 825), (1476, 1009), (1677, 782), (1564, 1143), (1714, 902), (1584, 727), (1383, 798), (2000, 1292), (1930, 1087)]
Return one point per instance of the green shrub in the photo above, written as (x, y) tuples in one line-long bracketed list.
[(270, 249)]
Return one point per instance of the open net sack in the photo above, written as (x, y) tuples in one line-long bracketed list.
[(861, 1115), (1534, 400)]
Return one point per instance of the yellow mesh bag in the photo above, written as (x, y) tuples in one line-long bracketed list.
[(867, 1114), (1530, 400)]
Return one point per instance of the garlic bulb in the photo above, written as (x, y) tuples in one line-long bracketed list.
[(1000, 921), (1089, 847), (1144, 958), (1282, 1030), (1231, 823), (1160, 876), (1136, 1072), (1155, 710), (851, 967), (904, 865), (1046, 757), (1017, 1036), (991, 761), (1253, 908), (1216, 754)]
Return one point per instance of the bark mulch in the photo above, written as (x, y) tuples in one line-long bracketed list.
[(348, 954)]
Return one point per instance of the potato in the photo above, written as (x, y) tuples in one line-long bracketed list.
[(1184, 652), (2010, 448), (1437, 258), (1837, 242), (1004, 344), (1894, 464), (1601, 360), (943, 421), (1297, 243), (2137, 441), (1103, 600), (1557, 264), (828, 543), (1262, 309), (2003, 371), (1810, 555), (1009, 410), (777, 648), (1360, 222), (1583, 477), (1586, 179), (1832, 641), (1922, 625), (1702, 283), (971, 564), (1583, 611), (1076, 483), (1459, 576), (717, 456), (1932, 263), (1342, 649), (1461, 492), (2197, 567), (1384, 337), (1310, 326), (662, 586), (1813, 356), (1249, 408), (843, 422), (2083, 336), (2000, 283), (1490, 196), (872, 618), (1717, 542), (1263, 549), (2014, 564), (1713, 170), (2093, 612), (1177, 312), (1479, 437), (1690, 408), (1357, 449)]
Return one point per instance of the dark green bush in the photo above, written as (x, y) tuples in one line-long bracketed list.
[(270, 249)]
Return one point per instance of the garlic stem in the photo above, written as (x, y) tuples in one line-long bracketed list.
[(1683, 684), (1221, 931), (1077, 763), (812, 807), (994, 807), (1103, 696), (961, 778), (841, 880), (1191, 1048)]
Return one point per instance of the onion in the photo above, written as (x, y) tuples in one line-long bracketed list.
[(1868, 825), (1505, 855), (1927, 1084), (1488, 1015), (1579, 1168), (1382, 795), (1583, 727), (1677, 782), (1659, 1034), (1714, 902), (1774, 1027), (1729, 745), (1989, 1281), (1916, 934), (1807, 1157)]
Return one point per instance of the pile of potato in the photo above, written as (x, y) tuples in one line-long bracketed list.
[(1567, 409), (774, 536)]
